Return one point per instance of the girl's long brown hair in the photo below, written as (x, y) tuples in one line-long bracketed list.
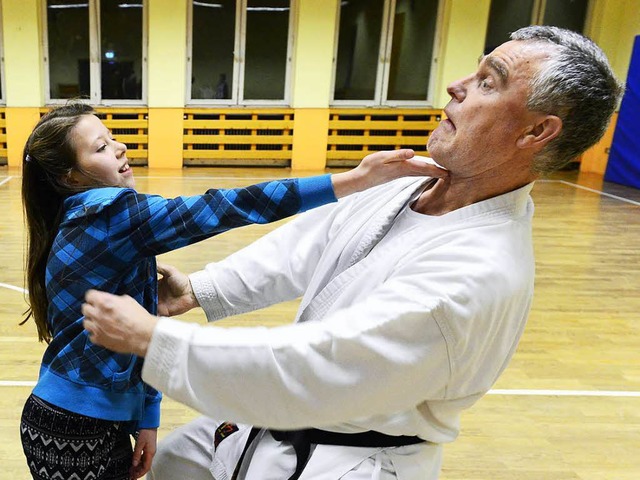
[(48, 158)]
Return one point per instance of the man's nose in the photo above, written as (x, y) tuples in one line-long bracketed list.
[(458, 89)]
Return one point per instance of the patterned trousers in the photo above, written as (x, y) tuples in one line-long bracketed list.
[(60, 444)]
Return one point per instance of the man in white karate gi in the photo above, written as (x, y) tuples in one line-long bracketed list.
[(414, 293)]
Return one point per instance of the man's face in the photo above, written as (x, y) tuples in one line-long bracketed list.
[(487, 112)]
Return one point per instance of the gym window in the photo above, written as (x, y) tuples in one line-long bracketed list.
[(95, 49), (239, 52), (385, 52), (507, 16)]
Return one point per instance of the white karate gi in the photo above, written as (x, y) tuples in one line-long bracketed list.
[(406, 320)]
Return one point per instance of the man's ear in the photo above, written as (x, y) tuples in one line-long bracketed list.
[(541, 133)]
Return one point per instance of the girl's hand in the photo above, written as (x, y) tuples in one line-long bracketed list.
[(175, 295), (382, 167), (143, 452)]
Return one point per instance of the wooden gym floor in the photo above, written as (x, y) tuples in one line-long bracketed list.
[(568, 406)]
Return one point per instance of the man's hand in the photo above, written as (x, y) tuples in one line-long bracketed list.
[(175, 295), (118, 323), (382, 167), (143, 452)]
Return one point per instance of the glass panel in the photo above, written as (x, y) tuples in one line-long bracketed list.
[(121, 49), (414, 28), (266, 49), (566, 14), (505, 17), (358, 49), (212, 48), (68, 38)]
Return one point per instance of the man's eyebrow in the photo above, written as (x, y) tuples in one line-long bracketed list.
[(496, 66)]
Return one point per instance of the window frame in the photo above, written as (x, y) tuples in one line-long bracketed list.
[(95, 59), (381, 92), (239, 55)]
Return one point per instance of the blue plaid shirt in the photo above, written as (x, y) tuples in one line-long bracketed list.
[(108, 240)]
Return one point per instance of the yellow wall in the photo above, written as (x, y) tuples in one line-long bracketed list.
[(167, 60), (22, 71), (312, 74), (165, 137), (314, 49), (22, 57), (464, 28), (167, 57), (613, 25)]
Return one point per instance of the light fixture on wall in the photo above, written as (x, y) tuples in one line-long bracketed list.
[(210, 5), (69, 5)]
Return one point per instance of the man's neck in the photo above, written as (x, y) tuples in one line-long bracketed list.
[(449, 194)]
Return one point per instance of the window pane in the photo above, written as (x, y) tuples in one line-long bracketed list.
[(414, 28), (68, 38), (566, 14), (266, 49), (121, 49), (212, 51), (505, 17), (358, 49)]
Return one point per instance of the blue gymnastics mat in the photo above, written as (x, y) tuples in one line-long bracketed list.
[(623, 166)]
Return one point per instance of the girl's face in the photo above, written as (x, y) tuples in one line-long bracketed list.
[(102, 161)]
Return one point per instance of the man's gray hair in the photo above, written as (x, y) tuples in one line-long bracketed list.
[(577, 84)]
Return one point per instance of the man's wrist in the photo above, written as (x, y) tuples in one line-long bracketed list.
[(145, 336), (192, 299)]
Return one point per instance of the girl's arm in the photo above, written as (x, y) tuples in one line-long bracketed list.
[(148, 225)]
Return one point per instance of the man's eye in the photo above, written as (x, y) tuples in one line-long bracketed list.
[(484, 84), (102, 147)]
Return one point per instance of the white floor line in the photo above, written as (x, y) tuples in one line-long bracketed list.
[(260, 179), (616, 197), (593, 190), (5, 181), (11, 287), (263, 179), (505, 392), (565, 393)]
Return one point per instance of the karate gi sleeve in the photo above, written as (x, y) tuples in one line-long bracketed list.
[(275, 268), (384, 354)]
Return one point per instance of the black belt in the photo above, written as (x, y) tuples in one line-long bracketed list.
[(301, 441)]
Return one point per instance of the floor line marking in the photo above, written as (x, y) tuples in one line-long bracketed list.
[(592, 190), (16, 383), (11, 287), (565, 393), (264, 179), (5, 181), (505, 392)]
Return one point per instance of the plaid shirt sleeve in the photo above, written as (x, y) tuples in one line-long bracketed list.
[(148, 225)]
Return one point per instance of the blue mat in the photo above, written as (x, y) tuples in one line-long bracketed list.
[(623, 166)]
